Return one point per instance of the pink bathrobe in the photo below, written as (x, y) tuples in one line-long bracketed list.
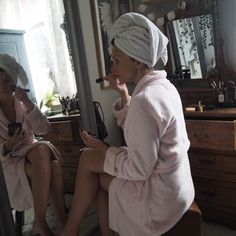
[(153, 185), (14, 162)]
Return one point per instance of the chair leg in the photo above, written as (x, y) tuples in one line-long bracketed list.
[(19, 222)]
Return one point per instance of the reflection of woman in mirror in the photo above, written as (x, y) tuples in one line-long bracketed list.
[(32, 169), (145, 187)]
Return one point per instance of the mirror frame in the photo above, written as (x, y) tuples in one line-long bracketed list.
[(201, 82)]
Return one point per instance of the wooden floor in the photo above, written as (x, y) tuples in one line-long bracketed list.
[(89, 225)]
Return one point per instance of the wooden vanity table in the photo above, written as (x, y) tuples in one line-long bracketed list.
[(212, 157), (65, 136)]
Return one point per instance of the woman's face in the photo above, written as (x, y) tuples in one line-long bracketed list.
[(123, 66), (5, 83)]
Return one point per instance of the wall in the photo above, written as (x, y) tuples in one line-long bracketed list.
[(105, 97)]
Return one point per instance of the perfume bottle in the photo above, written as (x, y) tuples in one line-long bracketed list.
[(221, 96)]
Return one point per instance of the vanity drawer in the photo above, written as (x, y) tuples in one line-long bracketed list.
[(63, 131), (218, 214), (69, 168), (70, 150), (213, 165), (215, 192), (64, 134), (69, 172), (207, 134)]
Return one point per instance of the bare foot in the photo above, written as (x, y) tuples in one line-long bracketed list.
[(42, 229), (66, 232), (35, 230)]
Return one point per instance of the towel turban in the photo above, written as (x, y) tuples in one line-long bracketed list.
[(13, 69), (139, 38)]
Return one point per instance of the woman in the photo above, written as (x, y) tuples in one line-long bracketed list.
[(32, 168), (149, 182)]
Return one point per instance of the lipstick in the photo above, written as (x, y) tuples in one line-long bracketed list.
[(14, 87), (99, 80), (107, 78)]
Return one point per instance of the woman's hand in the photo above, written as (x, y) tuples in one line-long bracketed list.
[(14, 140), (114, 83), (22, 96), (92, 141)]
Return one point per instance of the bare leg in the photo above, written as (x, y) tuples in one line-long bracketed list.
[(57, 192), (102, 205), (39, 170), (86, 189)]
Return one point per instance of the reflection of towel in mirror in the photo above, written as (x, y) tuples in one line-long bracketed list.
[(13, 69), (139, 38)]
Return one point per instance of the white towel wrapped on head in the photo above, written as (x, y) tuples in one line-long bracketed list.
[(139, 38), (13, 69)]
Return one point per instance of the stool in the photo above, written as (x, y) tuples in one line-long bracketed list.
[(189, 224)]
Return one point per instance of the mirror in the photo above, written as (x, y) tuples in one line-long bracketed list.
[(204, 67), (192, 46)]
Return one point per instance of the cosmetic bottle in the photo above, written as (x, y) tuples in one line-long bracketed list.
[(221, 96)]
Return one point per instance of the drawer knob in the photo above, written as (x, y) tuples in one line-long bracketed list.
[(55, 131), (72, 174), (68, 150), (206, 161), (200, 135), (209, 194)]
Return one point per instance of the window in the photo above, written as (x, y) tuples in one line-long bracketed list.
[(46, 44)]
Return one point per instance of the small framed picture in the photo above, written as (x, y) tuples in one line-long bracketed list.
[(104, 13)]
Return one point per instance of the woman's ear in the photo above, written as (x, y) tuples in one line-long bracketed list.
[(141, 65), (138, 64)]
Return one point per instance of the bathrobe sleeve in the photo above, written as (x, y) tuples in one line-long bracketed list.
[(142, 134), (33, 122), (120, 112), (39, 122)]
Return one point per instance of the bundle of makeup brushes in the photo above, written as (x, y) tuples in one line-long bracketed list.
[(70, 105)]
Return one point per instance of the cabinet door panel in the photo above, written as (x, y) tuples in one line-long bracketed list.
[(219, 214), (63, 131), (65, 136), (213, 165), (70, 150), (218, 193), (217, 135), (69, 172)]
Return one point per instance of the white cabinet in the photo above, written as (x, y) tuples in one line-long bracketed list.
[(12, 43)]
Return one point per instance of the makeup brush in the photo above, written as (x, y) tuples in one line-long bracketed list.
[(111, 77), (14, 87), (99, 80)]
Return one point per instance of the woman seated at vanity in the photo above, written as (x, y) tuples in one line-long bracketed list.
[(32, 168), (145, 188)]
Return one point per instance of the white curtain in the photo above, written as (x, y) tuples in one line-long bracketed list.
[(45, 41)]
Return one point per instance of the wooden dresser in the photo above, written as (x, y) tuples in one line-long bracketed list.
[(65, 136), (213, 162)]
